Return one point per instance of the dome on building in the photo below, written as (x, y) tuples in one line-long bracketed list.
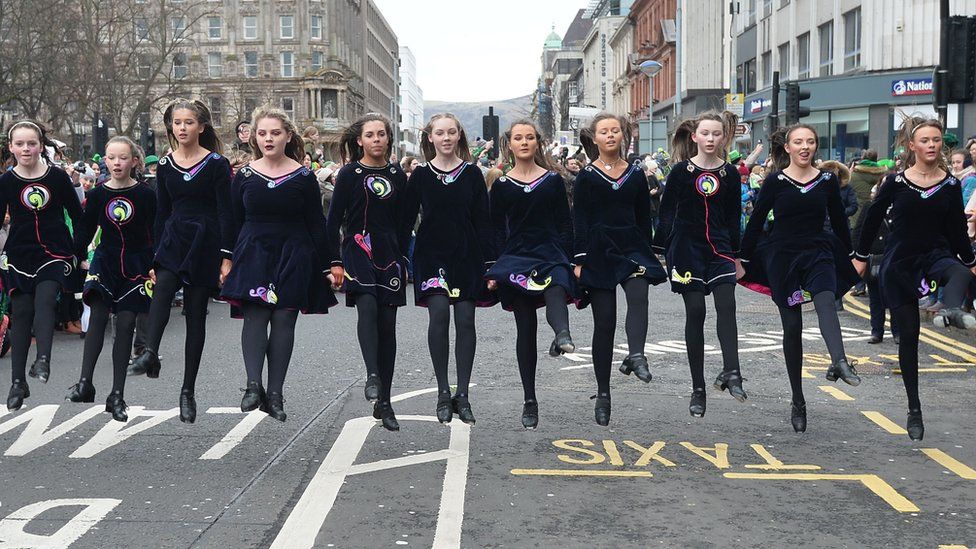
[(553, 41)]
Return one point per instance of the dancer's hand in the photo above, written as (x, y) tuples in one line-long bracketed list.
[(84, 266), (338, 275), (973, 270), (492, 285), (739, 270), (862, 266), (225, 267), (152, 275), (577, 270)]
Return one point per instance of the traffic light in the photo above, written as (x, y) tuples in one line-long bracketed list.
[(99, 134), (794, 96), (489, 130), (148, 141), (961, 62)]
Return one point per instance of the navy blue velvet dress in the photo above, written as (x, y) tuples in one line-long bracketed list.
[(368, 204), (799, 258), (39, 245), (194, 225), (612, 224), (698, 226), (928, 236), (533, 230), (281, 255), (119, 269), (454, 237)]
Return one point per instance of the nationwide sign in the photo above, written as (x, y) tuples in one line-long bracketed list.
[(757, 105), (914, 86)]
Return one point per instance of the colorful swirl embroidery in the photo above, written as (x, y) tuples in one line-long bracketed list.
[(798, 297), (273, 183), (267, 295), (379, 185), (439, 281), (452, 176), (929, 192), (35, 197), (120, 210), (927, 287), (528, 282), (679, 278), (809, 186), (147, 288), (707, 184), (363, 241)]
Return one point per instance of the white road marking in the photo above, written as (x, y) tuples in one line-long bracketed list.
[(12, 534), (236, 435)]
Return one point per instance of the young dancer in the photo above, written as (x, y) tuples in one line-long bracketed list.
[(800, 261), (533, 232), (699, 233), (927, 247), (370, 262), (453, 242), (118, 277), (280, 260), (39, 252), (612, 222), (194, 238)]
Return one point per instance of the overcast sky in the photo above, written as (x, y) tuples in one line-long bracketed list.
[(477, 50)]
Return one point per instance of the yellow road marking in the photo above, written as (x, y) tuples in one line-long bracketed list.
[(835, 392), (881, 421), (922, 338), (872, 482), (933, 370), (580, 473), (950, 463), (774, 464), (804, 373), (953, 547)]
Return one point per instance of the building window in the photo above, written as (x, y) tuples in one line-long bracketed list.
[(215, 110), (749, 76), (784, 61), (250, 27), (179, 65), (750, 13), (803, 56), (852, 39), (287, 64), (288, 105), (316, 61), (142, 28), (177, 27), (784, 3), (767, 8), (826, 49), (214, 28), (250, 105), (214, 68), (316, 27), (767, 68), (250, 63), (144, 67), (286, 24)]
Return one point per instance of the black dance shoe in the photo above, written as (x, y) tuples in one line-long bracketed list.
[(955, 317), (147, 363), (563, 343), (254, 397), (875, 339), (916, 429), (188, 407), (601, 410), (372, 388), (697, 405), (844, 371), (530, 414), (41, 369), (275, 406), (798, 417), (116, 406), (384, 412), (445, 409), (18, 392), (733, 382), (462, 408), (83, 391), (638, 365)]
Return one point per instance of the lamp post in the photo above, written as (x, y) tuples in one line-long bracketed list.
[(650, 68)]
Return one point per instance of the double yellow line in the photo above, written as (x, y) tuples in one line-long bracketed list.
[(931, 337)]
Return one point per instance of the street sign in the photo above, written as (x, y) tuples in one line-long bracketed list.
[(741, 130), (735, 103)]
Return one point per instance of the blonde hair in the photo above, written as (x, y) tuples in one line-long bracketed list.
[(138, 157), (906, 133), (683, 147), (295, 149), (427, 148)]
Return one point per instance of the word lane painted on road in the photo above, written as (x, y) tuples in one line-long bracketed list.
[(632, 459)]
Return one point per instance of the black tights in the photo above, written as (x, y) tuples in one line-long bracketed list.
[(32, 312), (195, 300), (258, 344), (728, 337), (526, 325), (125, 325), (907, 319), (604, 303), (957, 279), (792, 318), (439, 312), (376, 329)]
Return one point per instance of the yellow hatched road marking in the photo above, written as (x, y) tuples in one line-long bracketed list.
[(953, 547), (835, 392), (881, 421), (580, 473), (872, 482), (950, 463)]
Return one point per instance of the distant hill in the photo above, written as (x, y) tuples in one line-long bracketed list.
[(470, 114)]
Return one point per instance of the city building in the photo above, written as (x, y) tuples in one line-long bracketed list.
[(559, 86), (411, 104), (597, 82)]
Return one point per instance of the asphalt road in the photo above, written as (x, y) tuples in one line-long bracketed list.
[(331, 477)]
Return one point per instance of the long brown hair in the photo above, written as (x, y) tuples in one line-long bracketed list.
[(294, 149), (208, 139), (588, 134), (349, 146), (427, 148), (778, 141), (683, 147), (540, 158), (910, 125)]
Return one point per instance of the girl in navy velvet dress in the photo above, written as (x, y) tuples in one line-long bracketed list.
[(612, 223), (194, 238), (927, 248), (799, 260), (533, 232), (699, 234), (39, 254), (280, 259), (449, 258), (369, 263)]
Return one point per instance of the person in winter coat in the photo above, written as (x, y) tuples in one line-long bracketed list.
[(864, 176), (847, 196)]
